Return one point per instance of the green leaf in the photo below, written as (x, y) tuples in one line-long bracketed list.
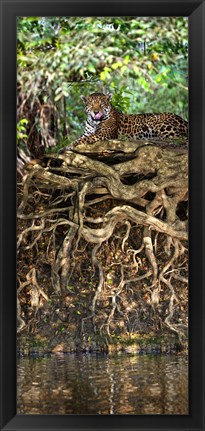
[(58, 96), (91, 68)]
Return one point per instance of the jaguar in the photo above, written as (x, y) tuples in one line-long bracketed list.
[(104, 122)]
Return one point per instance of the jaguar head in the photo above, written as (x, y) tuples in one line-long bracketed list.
[(97, 105)]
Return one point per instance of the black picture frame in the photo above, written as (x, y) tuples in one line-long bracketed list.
[(195, 11)]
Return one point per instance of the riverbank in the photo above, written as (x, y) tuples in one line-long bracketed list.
[(152, 343)]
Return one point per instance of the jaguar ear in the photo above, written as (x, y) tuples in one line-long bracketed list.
[(83, 98), (109, 96)]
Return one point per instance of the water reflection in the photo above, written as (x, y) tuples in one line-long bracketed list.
[(86, 384)]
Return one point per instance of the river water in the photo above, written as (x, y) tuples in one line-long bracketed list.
[(102, 384)]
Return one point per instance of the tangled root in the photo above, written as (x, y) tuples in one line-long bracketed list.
[(114, 220)]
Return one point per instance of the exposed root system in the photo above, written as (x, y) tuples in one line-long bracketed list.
[(102, 231)]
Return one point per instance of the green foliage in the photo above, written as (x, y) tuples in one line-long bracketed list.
[(21, 130), (121, 97), (70, 288), (143, 61)]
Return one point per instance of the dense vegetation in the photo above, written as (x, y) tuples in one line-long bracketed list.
[(132, 279), (142, 61)]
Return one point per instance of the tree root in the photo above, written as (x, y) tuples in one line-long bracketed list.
[(100, 201)]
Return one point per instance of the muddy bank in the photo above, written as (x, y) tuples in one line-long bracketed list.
[(103, 251), (161, 343)]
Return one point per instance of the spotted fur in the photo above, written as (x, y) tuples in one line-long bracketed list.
[(106, 122)]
